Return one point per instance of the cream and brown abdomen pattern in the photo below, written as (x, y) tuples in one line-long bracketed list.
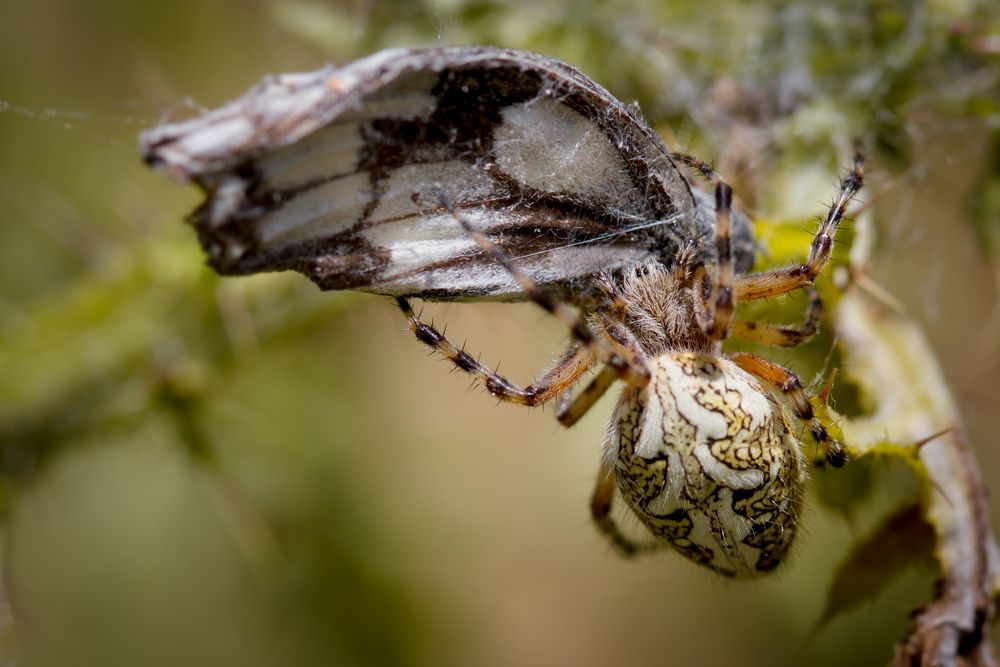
[(706, 460)]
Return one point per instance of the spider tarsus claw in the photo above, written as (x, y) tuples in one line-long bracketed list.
[(836, 457)]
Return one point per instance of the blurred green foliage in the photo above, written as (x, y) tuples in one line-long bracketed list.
[(206, 471)]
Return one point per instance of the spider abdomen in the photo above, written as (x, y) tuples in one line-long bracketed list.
[(706, 460)]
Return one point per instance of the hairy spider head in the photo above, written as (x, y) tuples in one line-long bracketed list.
[(660, 307)]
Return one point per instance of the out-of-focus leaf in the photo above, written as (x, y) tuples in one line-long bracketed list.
[(843, 490), (100, 354), (326, 26), (986, 214), (903, 540), (849, 490)]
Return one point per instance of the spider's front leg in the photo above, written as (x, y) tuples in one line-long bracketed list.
[(716, 311), (782, 281), (629, 367), (557, 380)]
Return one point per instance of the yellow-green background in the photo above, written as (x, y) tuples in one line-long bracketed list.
[(196, 471)]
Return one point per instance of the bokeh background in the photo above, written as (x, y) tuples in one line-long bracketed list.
[(197, 471)]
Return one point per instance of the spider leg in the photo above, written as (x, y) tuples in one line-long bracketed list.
[(781, 378), (618, 336), (615, 305), (783, 335), (685, 264), (600, 511), (574, 363), (571, 409), (717, 311), (634, 373), (781, 281)]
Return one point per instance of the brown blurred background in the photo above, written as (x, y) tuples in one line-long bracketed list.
[(199, 471)]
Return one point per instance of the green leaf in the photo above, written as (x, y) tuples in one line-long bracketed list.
[(843, 490), (903, 540)]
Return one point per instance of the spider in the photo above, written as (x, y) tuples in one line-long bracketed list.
[(698, 449)]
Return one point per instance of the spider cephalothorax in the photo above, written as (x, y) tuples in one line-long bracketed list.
[(658, 306)]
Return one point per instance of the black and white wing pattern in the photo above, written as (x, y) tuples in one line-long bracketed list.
[(346, 175)]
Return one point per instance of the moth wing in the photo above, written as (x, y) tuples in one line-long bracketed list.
[(344, 175)]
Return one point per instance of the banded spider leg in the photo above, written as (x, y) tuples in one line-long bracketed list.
[(621, 357), (715, 312)]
